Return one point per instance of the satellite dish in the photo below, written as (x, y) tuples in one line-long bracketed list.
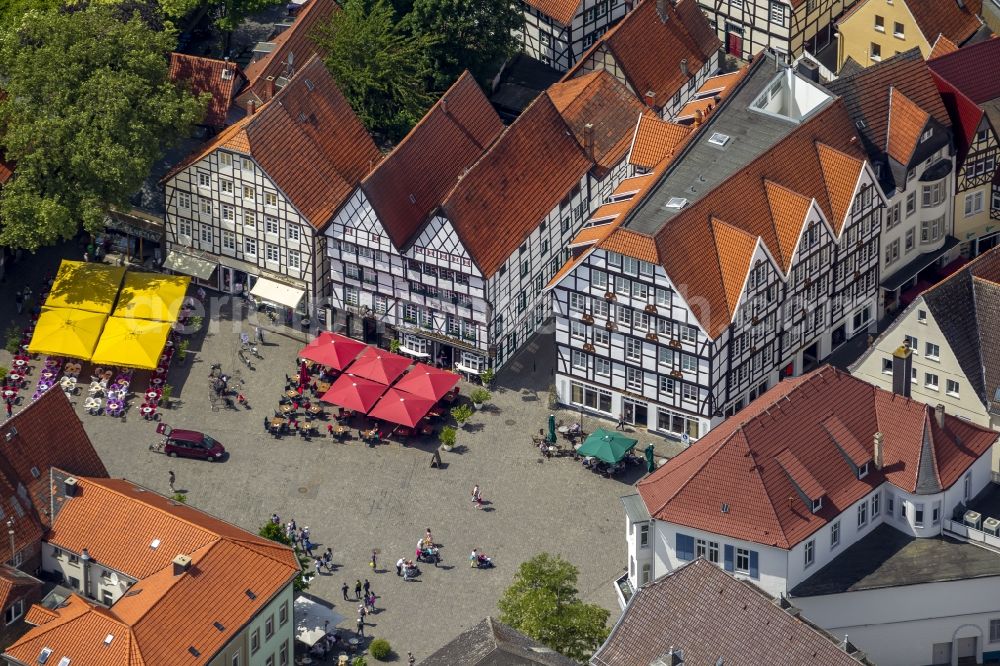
[(114, 578)]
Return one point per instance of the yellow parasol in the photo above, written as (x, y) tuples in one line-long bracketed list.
[(152, 296), (85, 286), (66, 332), (134, 343)]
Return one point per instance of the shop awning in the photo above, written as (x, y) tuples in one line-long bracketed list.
[(276, 292), (922, 261), (189, 265)]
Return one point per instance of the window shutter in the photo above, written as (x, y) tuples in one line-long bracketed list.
[(685, 547), (754, 569), (729, 559)]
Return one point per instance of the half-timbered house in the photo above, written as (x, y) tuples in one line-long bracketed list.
[(789, 27), (906, 131), (748, 258), (558, 32), (973, 98), (247, 212), (662, 52)]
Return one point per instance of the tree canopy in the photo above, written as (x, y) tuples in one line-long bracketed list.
[(276, 533), (380, 68), (542, 603), (88, 110), (472, 34)]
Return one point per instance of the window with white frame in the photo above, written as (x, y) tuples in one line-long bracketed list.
[(578, 329), (294, 259), (602, 336), (226, 159), (875, 505), (599, 279), (13, 612), (270, 224), (777, 12), (918, 514), (931, 381), (206, 234), (184, 200), (602, 367), (688, 333), (293, 231), (667, 385), (351, 296), (689, 392), (601, 308), (622, 285), (577, 302), (663, 298), (936, 513), (995, 631), (689, 363), (184, 227), (862, 514), (640, 290), (579, 360), (250, 247), (665, 356), (834, 535), (270, 199), (204, 180), (248, 192), (226, 186), (640, 321), (228, 241), (590, 397), (633, 349), (624, 315), (630, 265), (809, 553), (271, 253), (249, 219), (742, 561), (228, 213), (973, 203), (951, 387), (633, 379), (932, 351)]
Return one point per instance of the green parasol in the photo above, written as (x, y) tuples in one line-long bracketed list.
[(607, 445), (552, 429)]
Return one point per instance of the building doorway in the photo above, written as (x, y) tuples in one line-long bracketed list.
[(966, 650), (734, 44), (810, 357), (636, 412), (839, 336)]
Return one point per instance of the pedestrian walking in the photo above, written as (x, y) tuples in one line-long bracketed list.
[(344, 589), (9, 404), (318, 564), (19, 301), (399, 566), (370, 601), (410, 659), (275, 519), (308, 545), (328, 558), (477, 496), (27, 297), (361, 627), (357, 589), (367, 586), (621, 422), (374, 562), (170, 479), (363, 608)]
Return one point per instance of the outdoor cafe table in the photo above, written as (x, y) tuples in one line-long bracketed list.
[(20, 362), (147, 410), (339, 431), (156, 381), (276, 422), (315, 410), (291, 393), (286, 409), (322, 387), (9, 394)]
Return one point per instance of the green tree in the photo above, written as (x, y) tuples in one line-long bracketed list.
[(472, 34), (542, 603), (378, 66), (277, 533), (12, 10), (89, 109)]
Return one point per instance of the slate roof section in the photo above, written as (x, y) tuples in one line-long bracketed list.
[(226, 562), (308, 141), (220, 78), (412, 180), (648, 51), (494, 643), (48, 434), (601, 101), (524, 175), (959, 22), (714, 618), (16, 584), (295, 43), (741, 453), (888, 558)]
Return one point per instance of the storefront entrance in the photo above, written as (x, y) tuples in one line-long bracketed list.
[(636, 412), (234, 281)]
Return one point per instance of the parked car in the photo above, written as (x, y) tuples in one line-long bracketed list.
[(193, 444)]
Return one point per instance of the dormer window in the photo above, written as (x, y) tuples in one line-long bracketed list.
[(927, 134), (863, 471), (817, 504)]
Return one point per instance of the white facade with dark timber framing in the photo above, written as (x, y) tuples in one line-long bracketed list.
[(747, 27), (674, 324), (558, 33)]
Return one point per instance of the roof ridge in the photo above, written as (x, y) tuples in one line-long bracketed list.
[(690, 478), (172, 581), (837, 224)]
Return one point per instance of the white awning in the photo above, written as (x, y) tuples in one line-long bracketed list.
[(189, 265), (276, 292), (313, 620), (403, 349)]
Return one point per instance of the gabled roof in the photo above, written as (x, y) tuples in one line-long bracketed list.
[(599, 101), (524, 175), (491, 642), (164, 618), (47, 433), (906, 124), (560, 11), (745, 453), (15, 584), (715, 618), (963, 69), (958, 21), (870, 95), (654, 140), (410, 183), (220, 78), (292, 48), (648, 51), (942, 46), (307, 140)]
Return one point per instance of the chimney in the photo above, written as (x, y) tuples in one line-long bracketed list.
[(69, 487), (181, 564), (902, 370), (269, 87), (661, 10), (684, 68), (939, 415), (444, 105), (252, 107), (85, 563), (588, 140), (879, 438), (699, 117), (650, 98)]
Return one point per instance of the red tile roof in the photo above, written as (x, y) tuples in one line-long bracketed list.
[(15, 584), (746, 453), (654, 140), (906, 124), (163, 615), (48, 434), (714, 618), (220, 78), (964, 70), (648, 51), (294, 43), (942, 46), (412, 180), (956, 21), (821, 159), (524, 175), (307, 140), (560, 11), (601, 101)]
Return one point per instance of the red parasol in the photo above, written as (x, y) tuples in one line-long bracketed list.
[(379, 365), (402, 408), (427, 381), (354, 393), (332, 350)]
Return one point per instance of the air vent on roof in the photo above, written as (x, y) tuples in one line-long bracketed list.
[(154, 544), (108, 639), (64, 661), (413, 199), (302, 117), (11, 434), (35, 472), (860, 124), (676, 203), (718, 139), (219, 626), (194, 651), (250, 594), (725, 508), (43, 656), (227, 74), (310, 85)]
